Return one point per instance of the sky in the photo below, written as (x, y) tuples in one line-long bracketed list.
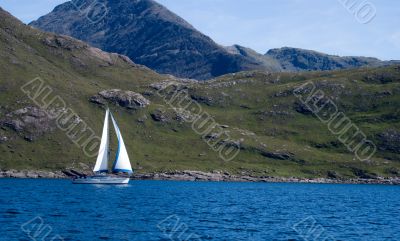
[(339, 27)]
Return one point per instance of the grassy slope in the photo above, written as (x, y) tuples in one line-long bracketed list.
[(361, 100), (156, 146)]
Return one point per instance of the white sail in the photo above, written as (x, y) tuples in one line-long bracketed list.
[(122, 163), (102, 158)]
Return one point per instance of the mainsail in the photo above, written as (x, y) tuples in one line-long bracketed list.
[(102, 158), (122, 163)]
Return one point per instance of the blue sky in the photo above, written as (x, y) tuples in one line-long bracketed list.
[(322, 25)]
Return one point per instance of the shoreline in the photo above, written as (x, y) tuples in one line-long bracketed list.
[(198, 176)]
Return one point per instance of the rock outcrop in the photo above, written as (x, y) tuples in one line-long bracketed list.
[(389, 140), (160, 116), (302, 108), (218, 176), (31, 174), (29, 122), (124, 98), (215, 176), (278, 155)]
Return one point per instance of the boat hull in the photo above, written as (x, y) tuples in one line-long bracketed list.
[(106, 180)]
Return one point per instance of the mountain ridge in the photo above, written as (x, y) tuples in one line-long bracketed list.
[(162, 40), (152, 35), (296, 59)]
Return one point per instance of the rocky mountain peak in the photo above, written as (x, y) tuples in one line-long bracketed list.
[(152, 35), (148, 33)]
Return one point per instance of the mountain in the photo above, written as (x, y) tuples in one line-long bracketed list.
[(295, 59), (272, 131), (152, 35), (149, 34), (270, 63)]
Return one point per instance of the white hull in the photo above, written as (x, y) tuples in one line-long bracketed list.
[(101, 180)]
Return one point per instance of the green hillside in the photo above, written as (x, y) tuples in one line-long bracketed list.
[(277, 136)]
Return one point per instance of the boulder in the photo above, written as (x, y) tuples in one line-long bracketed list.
[(213, 136), (159, 116), (160, 86)]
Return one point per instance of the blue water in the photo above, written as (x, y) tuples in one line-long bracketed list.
[(157, 210)]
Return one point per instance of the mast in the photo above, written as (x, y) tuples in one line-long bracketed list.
[(109, 139)]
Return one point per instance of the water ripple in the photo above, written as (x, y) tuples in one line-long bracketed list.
[(211, 211)]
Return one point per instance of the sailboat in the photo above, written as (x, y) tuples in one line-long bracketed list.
[(121, 163)]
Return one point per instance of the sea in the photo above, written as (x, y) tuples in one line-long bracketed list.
[(41, 209)]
